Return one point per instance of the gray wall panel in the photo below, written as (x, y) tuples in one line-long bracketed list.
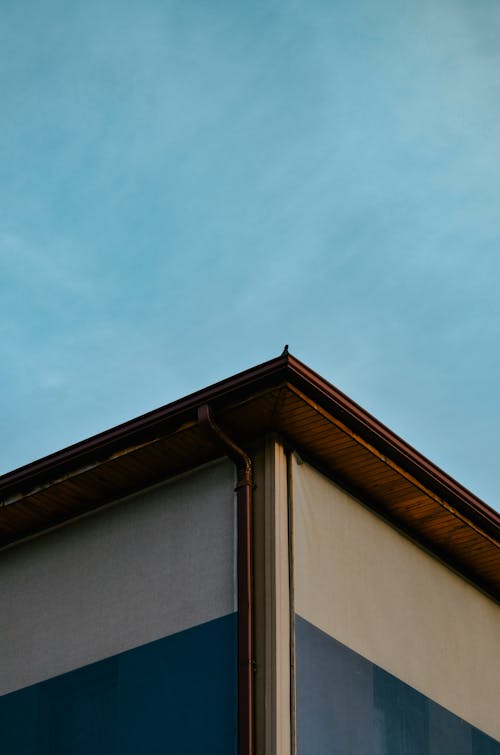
[(151, 565)]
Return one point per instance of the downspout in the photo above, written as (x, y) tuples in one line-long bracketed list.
[(244, 488)]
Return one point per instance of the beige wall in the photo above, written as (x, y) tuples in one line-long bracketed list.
[(151, 565), (365, 584)]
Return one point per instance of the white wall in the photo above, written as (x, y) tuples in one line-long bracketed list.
[(365, 584), (149, 566)]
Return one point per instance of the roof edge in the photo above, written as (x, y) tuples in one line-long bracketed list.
[(131, 431), (285, 368), (397, 449)]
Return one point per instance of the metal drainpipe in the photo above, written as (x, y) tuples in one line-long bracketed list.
[(244, 490)]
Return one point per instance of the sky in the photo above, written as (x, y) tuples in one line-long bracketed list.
[(186, 186)]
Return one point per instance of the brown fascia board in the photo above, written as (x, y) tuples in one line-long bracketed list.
[(223, 394), (146, 427), (395, 448)]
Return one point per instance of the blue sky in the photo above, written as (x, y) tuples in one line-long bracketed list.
[(186, 186)]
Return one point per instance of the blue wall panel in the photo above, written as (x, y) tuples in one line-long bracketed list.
[(349, 706), (177, 696)]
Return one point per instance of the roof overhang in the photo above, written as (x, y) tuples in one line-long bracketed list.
[(280, 396)]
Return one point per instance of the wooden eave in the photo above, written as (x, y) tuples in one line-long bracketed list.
[(281, 396)]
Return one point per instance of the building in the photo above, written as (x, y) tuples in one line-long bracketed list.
[(260, 567)]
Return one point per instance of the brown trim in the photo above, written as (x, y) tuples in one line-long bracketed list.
[(387, 442), (386, 460), (285, 368), (244, 494), (153, 424)]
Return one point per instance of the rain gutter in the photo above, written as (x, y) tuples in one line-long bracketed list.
[(244, 496)]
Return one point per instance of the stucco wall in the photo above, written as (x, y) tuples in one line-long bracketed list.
[(147, 567)]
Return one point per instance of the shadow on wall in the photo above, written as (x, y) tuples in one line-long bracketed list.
[(347, 705)]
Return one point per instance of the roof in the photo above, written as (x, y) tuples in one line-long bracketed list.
[(281, 396)]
